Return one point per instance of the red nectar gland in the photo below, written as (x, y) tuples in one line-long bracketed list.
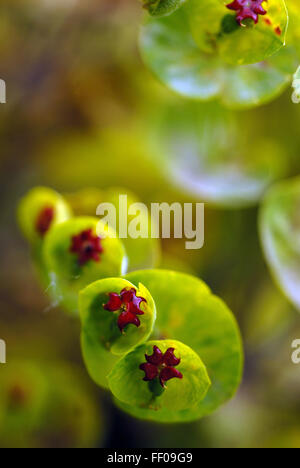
[(161, 366), (44, 220), (129, 306), (247, 9), (87, 246)]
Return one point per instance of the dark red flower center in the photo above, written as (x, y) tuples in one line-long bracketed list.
[(87, 246), (161, 366), (129, 306), (44, 220), (247, 9)]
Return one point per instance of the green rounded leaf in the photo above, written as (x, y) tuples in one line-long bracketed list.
[(67, 275), (279, 225), (171, 52), (208, 156), (127, 384), (102, 324), (237, 45), (162, 7), (33, 204), (189, 313)]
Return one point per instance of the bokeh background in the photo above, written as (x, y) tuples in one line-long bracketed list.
[(83, 111)]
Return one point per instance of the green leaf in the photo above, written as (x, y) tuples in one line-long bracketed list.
[(162, 7), (208, 156), (171, 52), (279, 225), (32, 205), (127, 384), (102, 324), (189, 313), (68, 277), (296, 86), (242, 44)]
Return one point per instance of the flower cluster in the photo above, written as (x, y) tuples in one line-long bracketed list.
[(161, 365), (87, 246), (44, 220), (247, 9), (128, 304)]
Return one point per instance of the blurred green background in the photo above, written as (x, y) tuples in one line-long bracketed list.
[(83, 111)]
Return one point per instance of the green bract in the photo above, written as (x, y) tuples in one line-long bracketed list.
[(280, 236), (67, 275), (169, 49), (162, 7), (296, 86), (141, 252), (103, 323), (23, 393), (237, 45), (127, 384), (31, 206), (189, 313)]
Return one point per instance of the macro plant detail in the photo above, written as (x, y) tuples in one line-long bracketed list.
[(128, 304), (209, 48), (194, 106), (161, 366), (120, 316), (44, 220), (86, 246), (247, 9)]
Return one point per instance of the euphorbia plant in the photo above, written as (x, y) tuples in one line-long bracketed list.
[(193, 361), (231, 50), (38, 212), (160, 341)]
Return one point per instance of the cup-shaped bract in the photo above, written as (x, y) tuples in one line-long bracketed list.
[(79, 252), (23, 396), (188, 312), (217, 29), (171, 52), (188, 379), (40, 210), (116, 316)]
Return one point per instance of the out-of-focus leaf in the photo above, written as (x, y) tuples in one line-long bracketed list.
[(208, 155), (162, 7), (279, 225), (169, 49)]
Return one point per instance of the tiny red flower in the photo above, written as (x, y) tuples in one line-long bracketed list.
[(161, 366), (87, 246), (247, 9), (44, 220), (128, 304)]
